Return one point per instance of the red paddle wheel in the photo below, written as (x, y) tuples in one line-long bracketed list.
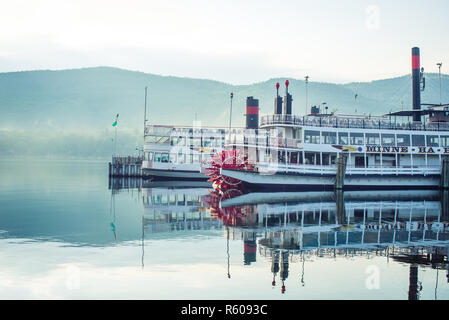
[(231, 216), (227, 159)]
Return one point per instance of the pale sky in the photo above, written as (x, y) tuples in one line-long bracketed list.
[(235, 41)]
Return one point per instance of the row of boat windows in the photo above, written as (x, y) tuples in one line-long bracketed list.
[(184, 141), (180, 199), (166, 157), (316, 158), (384, 139)]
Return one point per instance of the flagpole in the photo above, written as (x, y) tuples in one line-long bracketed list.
[(230, 115), (115, 139)]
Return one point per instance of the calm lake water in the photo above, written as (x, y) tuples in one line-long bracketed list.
[(65, 234)]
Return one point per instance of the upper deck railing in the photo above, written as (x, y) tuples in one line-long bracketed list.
[(351, 122)]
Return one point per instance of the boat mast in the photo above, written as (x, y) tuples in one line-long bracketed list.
[(230, 114), (145, 114), (307, 94)]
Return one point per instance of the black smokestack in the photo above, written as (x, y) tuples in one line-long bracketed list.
[(287, 100), (416, 83), (252, 113), (277, 101)]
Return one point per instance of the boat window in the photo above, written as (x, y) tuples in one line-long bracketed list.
[(326, 159), (213, 142), (388, 140), (196, 142), (172, 157), (297, 134), (343, 138), (158, 139), (178, 141), (300, 159), (156, 199), (207, 142), (445, 141), (403, 140), (356, 138), (312, 136), (191, 200), (164, 157), (432, 141), (157, 157), (333, 159), (196, 158), (418, 141), (160, 130), (309, 158), (163, 140), (151, 139), (372, 139), (181, 199), (281, 157), (329, 137)]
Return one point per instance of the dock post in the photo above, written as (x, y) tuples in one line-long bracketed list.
[(341, 171), (110, 169), (444, 180), (444, 198)]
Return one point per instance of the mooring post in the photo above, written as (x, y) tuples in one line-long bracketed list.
[(341, 171), (444, 198), (444, 180)]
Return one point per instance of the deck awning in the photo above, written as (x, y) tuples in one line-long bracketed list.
[(410, 113)]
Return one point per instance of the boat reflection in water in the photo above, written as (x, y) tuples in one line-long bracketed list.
[(409, 227)]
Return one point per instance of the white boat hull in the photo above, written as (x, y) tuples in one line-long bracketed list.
[(316, 181), (174, 174)]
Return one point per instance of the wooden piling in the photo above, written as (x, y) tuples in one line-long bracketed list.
[(444, 198), (341, 171), (444, 179)]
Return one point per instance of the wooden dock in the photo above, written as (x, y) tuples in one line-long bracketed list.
[(126, 167)]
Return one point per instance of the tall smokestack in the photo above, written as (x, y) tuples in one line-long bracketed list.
[(416, 80), (252, 113), (277, 101), (287, 100), (249, 251)]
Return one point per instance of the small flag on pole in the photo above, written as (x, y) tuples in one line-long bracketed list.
[(115, 122)]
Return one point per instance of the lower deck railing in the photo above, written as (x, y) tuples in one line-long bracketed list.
[(350, 170)]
